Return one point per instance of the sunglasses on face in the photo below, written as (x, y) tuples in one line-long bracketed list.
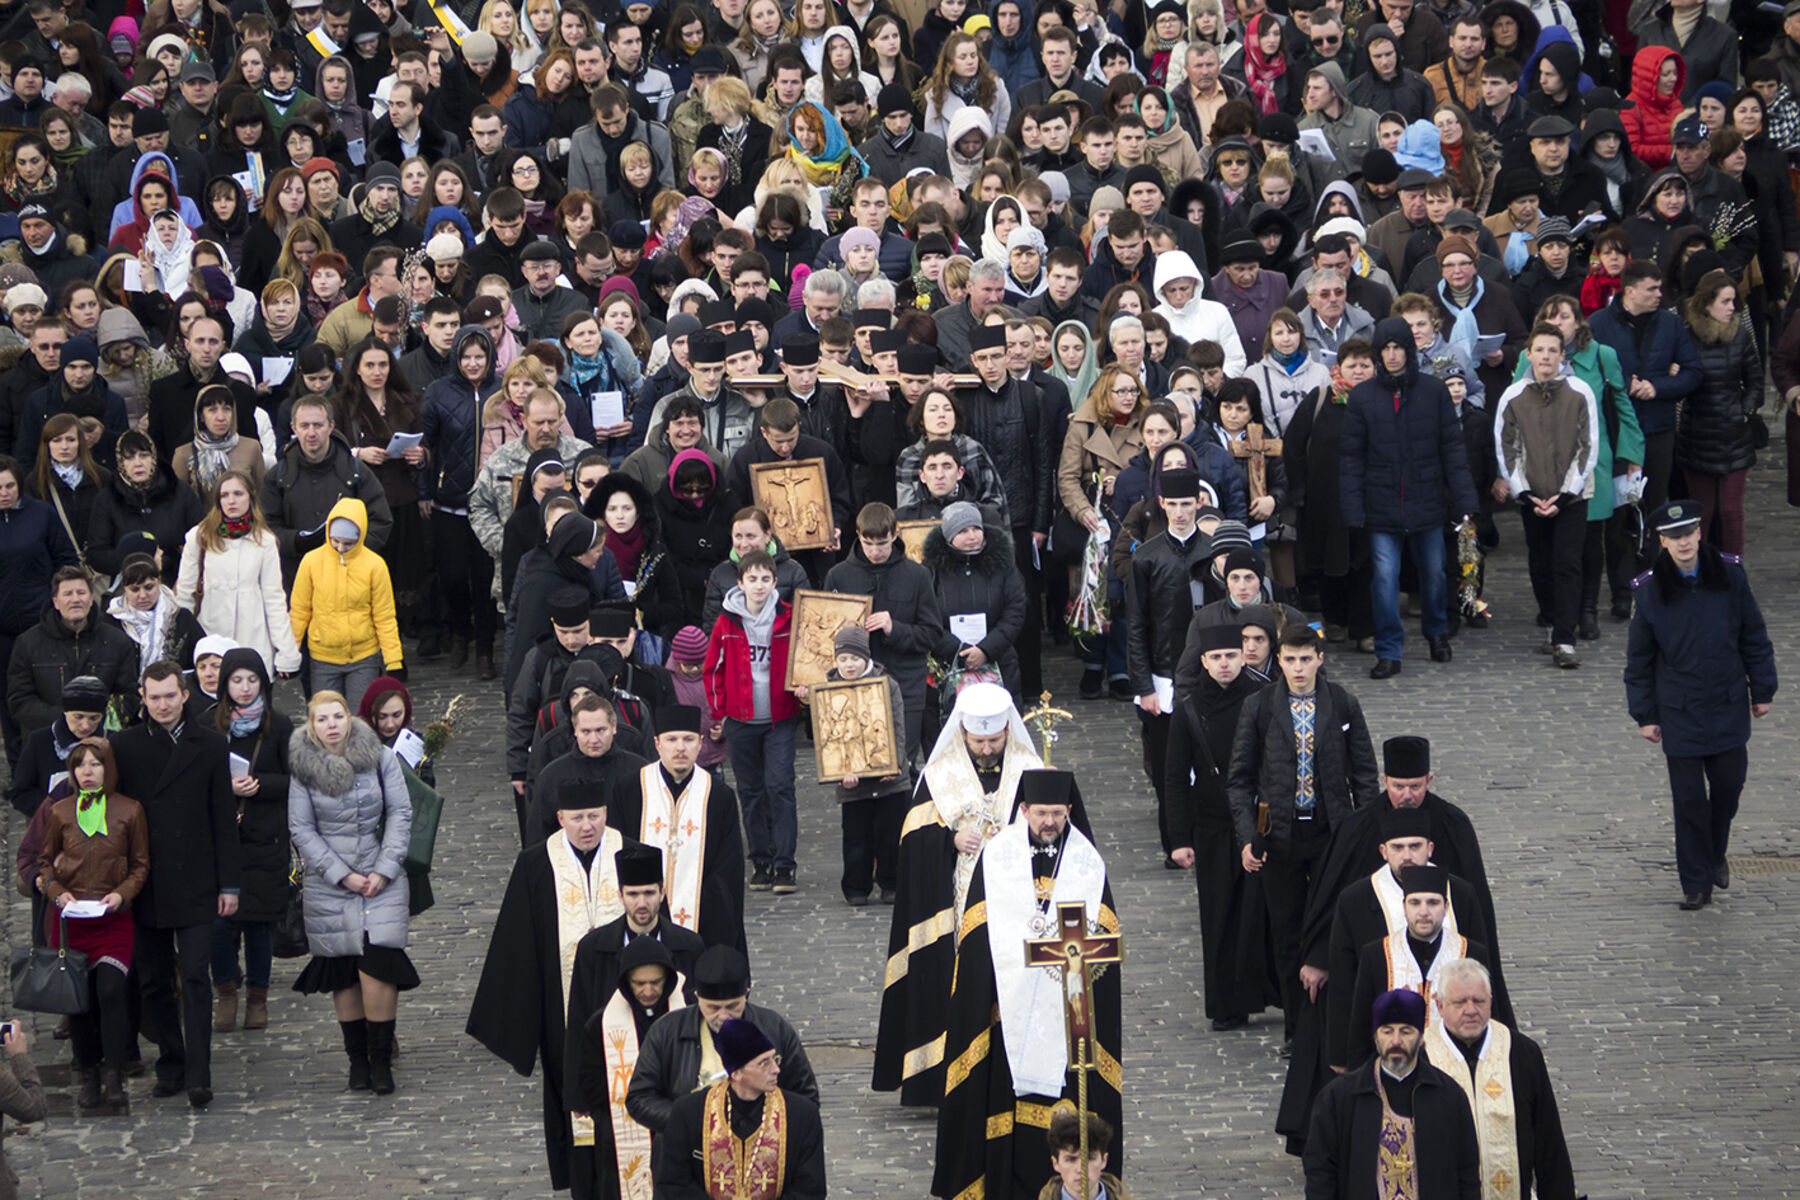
[(1322, 42)]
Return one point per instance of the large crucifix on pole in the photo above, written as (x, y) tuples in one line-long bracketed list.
[(1075, 952)]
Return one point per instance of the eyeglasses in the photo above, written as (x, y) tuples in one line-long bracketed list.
[(1127, 392), (1322, 42)]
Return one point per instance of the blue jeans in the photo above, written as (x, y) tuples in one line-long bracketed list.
[(259, 951), (1107, 652), (762, 760), (1427, 546)]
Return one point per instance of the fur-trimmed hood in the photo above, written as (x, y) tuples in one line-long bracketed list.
[(334, 774), (1707, 331), (611, 485), (994, 557)]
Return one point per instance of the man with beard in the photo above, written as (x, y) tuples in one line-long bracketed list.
[(965, 797), (595, 764), (560, 889), (1502, 1075), (1196, 819), (646, 986), (1007, 1022), (682, 1054), (1395, 1118)]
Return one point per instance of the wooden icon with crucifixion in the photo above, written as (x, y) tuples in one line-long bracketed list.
[(1074, 951)]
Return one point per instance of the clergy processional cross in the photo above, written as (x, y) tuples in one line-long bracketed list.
[(1074, 952), (1043, 718)]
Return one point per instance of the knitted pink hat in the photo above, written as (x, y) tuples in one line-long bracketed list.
[(689, 645), (797, 291)]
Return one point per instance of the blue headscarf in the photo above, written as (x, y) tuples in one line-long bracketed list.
[(446, 212), (837, 149)]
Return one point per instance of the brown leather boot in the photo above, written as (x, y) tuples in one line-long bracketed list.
[(225, 1015), (256, 1008)]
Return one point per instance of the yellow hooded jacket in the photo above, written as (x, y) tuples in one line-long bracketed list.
[(345, 602)]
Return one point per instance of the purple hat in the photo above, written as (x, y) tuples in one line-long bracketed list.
[(689, 645), (1402, 1006), (858, 236), (740, 1043)]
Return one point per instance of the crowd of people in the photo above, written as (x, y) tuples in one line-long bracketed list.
[(1196, 341)]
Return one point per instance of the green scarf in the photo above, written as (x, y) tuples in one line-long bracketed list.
[(90, 812)]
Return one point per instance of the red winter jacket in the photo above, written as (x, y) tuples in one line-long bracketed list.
[(1650, 126), (730, 687)]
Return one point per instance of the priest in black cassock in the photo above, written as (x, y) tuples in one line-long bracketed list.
[(1237, 967), (559, 890), (1502, 1074), (966, 795), (1355, 845), (1357, 854), (1375, 907), (1414, 958), (647, 986), (594, 979), (745, 1137), (1007, 1044), (692, 817)]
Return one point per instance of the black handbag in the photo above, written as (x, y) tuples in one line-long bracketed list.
[(290, 929), (51, 979)]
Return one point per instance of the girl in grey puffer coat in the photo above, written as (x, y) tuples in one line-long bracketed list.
[(344, 787)]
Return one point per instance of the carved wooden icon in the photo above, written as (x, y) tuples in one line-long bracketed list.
[(794, 495), (817, 618), (853, 729), (912, 536)]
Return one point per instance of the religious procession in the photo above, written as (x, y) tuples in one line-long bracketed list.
[(773, 597)]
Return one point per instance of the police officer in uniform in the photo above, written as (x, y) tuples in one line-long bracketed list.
[(1698, 666)]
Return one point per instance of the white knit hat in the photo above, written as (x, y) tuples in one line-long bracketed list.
[(444, 247)]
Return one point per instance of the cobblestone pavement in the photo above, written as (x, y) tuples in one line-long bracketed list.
[(1669, 1034)]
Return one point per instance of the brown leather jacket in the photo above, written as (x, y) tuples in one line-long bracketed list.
[(91, 867)]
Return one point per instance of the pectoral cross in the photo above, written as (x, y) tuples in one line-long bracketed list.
[(1076, 952)]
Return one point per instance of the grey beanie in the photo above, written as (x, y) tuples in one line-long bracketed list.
[(344, 527), (958, 517)]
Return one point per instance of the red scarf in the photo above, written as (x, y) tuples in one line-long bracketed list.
[(626, 548), (1598, 290), (1259, 72)]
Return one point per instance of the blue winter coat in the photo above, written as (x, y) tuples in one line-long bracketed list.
[(32, 546), (1698, 655), (1667, 342), (1012, 58), (1401, 461), (1217, 468)]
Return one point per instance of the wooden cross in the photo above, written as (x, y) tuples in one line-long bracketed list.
[(1258, 449), (1075, 950)]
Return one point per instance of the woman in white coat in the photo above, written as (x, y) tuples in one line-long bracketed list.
[(230, 576), (1191, 316)]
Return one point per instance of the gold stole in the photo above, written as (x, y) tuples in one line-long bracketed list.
[(752, 1169), (679, 831), (961, 804), (583, 903), (631, 1141), (1490, 1094), (712, 1067), (1403, 968)]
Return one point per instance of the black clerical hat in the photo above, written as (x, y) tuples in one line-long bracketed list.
[(1046, 785), (987, 337), (1431, 880), (678, 718), (1404, 823), (575, 793), (917, 360), (1221, 637), (610, 622), (721, 973), (1179, 484), (1406, 757), (569, 606), (639, 865)]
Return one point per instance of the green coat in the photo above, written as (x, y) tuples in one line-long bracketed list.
[(1598, 366)]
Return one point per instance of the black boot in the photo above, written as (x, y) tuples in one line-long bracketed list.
[(459, 651), (113, 1087), (1590, 621), (90, 1089), (381, 1057), (356, 1045), (484, 663)]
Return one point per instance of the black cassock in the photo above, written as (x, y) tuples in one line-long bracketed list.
[(1543, 1152), (1372, 979), (1357, 920), (721, 917), (518, 1008), (990, 1142), (1354, 854), (595, 975), (1236, 953)]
